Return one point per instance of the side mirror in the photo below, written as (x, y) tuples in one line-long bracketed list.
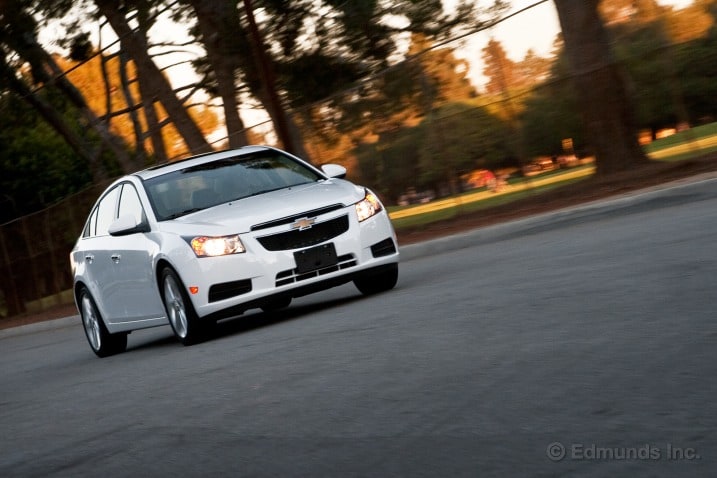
[(127, 225), (334, 171)]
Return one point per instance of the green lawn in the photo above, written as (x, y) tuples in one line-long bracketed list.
[(422, 214), (684, 145)]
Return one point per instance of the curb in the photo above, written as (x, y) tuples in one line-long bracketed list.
[(39, 327), (504, 230)]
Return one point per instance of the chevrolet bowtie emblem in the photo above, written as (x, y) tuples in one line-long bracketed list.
[(303, 223)]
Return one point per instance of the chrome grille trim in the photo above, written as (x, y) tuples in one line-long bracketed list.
[(298, 239), (291, 276), (290, 219)]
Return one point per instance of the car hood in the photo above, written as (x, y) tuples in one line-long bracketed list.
[(239, 216)]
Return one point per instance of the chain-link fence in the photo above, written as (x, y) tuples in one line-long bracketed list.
[(35, 252)]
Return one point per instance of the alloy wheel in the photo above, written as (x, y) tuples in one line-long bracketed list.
[(175, 306)]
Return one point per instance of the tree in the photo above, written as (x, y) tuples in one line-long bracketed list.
[(498, 68), (447, 75), (350, 43), (644, 49), (635, 11), (391, 165), (154, 83), (505, 76), (459, 138), (696, 66), (691, 22), (605, 105), (38, 166), (217, 25), (18, 34), (532, 69)]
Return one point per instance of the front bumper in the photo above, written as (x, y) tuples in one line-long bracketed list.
[(229, 285)]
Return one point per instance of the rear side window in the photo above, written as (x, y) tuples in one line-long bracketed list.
[(106, 213), (91, 226)]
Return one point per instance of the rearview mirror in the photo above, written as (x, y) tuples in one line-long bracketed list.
[(126, 225), (334, 171)]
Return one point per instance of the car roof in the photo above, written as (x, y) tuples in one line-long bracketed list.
[(165, 168)]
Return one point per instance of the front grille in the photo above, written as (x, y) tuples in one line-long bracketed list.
[(290, 219), (298, 239), (383, 248), (227, 290), (292, 275)]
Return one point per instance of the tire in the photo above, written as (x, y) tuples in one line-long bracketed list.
[(102, 343), (183, 319), (277, 304), (379, 281)]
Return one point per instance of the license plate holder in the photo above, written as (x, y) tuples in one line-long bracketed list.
[(314, 258)]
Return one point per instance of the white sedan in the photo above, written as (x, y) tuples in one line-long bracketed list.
[(206, 238)]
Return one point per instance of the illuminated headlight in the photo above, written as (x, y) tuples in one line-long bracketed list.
[(369, 206), (204, 246)]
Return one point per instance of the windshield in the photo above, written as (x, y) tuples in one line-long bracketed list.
[(199, 187)]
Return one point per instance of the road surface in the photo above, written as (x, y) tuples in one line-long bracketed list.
[(580, 345)]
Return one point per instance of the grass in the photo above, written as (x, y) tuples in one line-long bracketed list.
[(680, 146), (685, 144), (422, 214)]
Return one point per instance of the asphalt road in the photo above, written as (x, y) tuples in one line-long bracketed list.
[(576, 344)]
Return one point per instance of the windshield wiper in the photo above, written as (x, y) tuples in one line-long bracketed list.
[(263, 191), (183, 213)]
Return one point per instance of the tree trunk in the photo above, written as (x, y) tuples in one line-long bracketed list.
[(135, 44), (219, 23), (130, 101), (154, 128), (606, 107), (264, 87)]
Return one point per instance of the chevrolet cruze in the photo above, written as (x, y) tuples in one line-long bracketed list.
[(209, 237)]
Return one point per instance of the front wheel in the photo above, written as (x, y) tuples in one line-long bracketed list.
[(379, 281), (103, 343), (186, 325)]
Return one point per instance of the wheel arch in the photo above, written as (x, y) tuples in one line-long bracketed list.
[(78, 287), (161, 265)]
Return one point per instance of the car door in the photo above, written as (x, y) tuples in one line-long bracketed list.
[(94, 252), (134, 296)]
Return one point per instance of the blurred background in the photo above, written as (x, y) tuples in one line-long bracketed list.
[(422, 100)]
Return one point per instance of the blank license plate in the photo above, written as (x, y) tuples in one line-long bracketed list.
[(315, 258)]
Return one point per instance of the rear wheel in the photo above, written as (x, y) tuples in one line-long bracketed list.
[(103, 343), (185, 323), (379, 281)]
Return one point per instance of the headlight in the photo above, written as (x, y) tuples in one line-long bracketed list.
[(369, 206), (204, 246)]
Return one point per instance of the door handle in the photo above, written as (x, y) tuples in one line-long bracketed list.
[(115, 258), (89, 258)]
